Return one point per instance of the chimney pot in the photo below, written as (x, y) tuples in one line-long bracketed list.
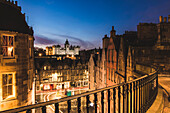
[(112, 27), (160, 19), (16, 3), (165, 19), (168, 18), (12, 2), (105, 35)]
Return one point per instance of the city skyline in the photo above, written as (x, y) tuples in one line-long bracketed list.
[(54, 21), (130, 73)]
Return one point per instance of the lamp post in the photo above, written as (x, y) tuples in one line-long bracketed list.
[(34, 91)]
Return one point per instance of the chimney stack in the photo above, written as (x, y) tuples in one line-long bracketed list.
[(24, 16), (16, 3), (12, 2), (112, 27), (105, 35), (168, 18), (112, 32), (165, 19), (160, 19)]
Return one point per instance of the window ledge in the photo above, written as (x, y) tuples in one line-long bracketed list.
[(9, 59), (9, 98)]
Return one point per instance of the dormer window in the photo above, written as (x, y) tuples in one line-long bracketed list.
[(7, 43)]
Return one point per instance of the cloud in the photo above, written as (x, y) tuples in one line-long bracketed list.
[(43, 41), (76, 41)]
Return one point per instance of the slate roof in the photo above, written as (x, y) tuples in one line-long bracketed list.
[(12, 19)]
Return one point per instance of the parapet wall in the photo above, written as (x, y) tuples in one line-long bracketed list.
[(11, 3)]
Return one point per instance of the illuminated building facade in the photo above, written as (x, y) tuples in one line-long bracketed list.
[(61, 74), (97, 70), (67, 50), (16, 57)]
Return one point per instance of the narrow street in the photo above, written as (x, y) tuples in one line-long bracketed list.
[(44, 96)]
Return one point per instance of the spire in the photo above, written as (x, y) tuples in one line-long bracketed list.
[(67, 43)]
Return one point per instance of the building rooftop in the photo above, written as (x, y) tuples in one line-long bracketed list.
[(12, 19)]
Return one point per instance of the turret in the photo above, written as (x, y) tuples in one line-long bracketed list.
[(105, 42), (67, 46), (112, 32)]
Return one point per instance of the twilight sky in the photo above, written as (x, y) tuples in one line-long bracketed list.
[(85, 22)]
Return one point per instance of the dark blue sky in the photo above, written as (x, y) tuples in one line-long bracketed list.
[(85, 22)]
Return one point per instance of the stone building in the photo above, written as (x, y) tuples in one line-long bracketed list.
[(92, 71), (147, 31), (163, 28), (16, 57), (67, 50), (111, 64), (156, 50), (97, 70), (58, 74)]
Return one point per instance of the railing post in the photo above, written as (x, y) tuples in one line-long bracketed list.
[(108, 100), (130, 97), (79, 105), (134, 95), (102, 101), (119, 99), (140, 96), (156, 82), (44, 109), (114, 100), (123, 93), (150, 88), (95, 102), (137, 97), (144, 94), (87, 103), (69, 105), (56, 108), (127, 96)]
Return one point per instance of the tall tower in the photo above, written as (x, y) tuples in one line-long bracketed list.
[(67, 46)]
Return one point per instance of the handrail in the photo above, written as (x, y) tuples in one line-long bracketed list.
[(129, 83)]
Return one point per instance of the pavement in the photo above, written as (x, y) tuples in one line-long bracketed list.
[(164, 81), (157, 106), (162, 101)]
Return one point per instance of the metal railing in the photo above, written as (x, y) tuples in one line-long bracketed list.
[(135, 96)]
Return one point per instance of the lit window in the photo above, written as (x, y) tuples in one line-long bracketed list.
[(40, 54), (7, 85), (30, 48), (7, 46), (45, 67)]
